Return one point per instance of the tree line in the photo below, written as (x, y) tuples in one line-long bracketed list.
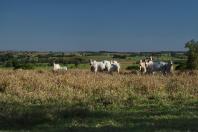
[(30, 60)]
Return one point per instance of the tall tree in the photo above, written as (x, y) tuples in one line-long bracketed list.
[(192, 62)]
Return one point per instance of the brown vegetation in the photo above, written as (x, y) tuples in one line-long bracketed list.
[(83, 86)]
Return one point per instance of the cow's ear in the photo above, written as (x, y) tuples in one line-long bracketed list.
[(151, 58)]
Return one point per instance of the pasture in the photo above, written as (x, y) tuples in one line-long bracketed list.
[(79, 100), (98, 65)]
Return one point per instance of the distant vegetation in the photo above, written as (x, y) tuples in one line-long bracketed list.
[(129, 60), (32, 60)]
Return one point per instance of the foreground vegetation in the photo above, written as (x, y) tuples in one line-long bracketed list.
[(82, 101)]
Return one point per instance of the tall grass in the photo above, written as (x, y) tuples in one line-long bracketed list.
[(82, 86)]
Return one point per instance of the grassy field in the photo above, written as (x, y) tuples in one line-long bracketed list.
[(78, 100)]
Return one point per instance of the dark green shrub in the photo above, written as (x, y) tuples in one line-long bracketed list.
[(24, 66), (119, 56), (133, 67), (181, 66), (192, 62)]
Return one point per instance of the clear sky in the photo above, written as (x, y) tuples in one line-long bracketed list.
[(111, 25)]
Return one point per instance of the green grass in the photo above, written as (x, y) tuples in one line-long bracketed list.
[(146, 116)]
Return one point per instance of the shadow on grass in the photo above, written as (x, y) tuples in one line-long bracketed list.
[(80, 118)]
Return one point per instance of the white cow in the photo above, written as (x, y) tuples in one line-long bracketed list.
[(97, 66), (149, 66), (158, 66), (107, 65), (104, 65), (143, 68), (115, 66), (57, 67), (64, 68)]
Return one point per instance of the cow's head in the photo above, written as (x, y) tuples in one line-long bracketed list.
[(171, 62), (91, 62), (151, 58), (142, 65)]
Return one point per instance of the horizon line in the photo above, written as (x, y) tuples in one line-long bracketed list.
[(96, 51)]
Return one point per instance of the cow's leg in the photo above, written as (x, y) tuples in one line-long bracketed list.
[(95, 70)]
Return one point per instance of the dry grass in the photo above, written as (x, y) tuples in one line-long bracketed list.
[(82, 86)]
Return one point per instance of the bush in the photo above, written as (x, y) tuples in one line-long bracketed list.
[(8, 64), (24, 66), (133, 67), (181, 66), (192, 62), (119, 56)]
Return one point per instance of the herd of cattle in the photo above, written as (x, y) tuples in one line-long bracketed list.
[(146, 66)]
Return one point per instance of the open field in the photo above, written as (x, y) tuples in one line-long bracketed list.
[(98, 65), (82, 101), (80, 60)]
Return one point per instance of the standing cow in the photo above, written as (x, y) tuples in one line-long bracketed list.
[(104, 66), (115, 66), (97, 66), (149, 66), (142, 66), (107, 65)]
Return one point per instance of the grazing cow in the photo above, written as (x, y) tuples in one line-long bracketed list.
[(58, 67), (64, 68), (115, 66)]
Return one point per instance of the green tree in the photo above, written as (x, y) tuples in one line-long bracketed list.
[(192, 62)]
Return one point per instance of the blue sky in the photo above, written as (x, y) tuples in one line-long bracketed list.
[(111, 25)]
